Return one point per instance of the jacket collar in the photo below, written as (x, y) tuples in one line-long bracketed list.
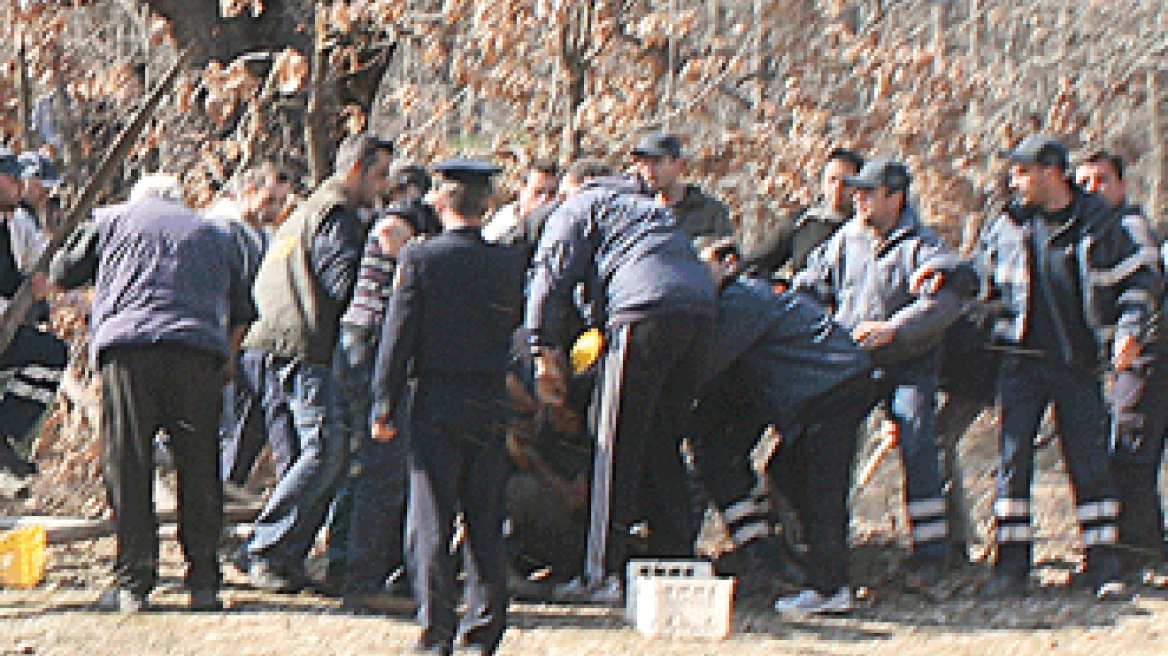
[(823, 213), (1086, 211)]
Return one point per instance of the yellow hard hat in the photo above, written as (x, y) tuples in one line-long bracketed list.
[(586, 349)]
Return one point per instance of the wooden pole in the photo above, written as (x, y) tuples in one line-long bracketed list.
[(1156, 136), (21, 301)]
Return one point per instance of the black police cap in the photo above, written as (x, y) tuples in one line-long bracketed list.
[(9, 164), (466, 171)]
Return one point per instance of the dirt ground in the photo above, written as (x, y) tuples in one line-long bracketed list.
[(55, 618)]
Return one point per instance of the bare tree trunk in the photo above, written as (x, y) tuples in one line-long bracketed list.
[(975, 32), (570, 148), (759, 62), (314, 119)]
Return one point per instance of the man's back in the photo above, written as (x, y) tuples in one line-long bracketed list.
[(631, 246), (471, 301), (164, 274)]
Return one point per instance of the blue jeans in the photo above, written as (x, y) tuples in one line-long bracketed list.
[(377, 489), (911, 398), (288, 523), (256, 411)]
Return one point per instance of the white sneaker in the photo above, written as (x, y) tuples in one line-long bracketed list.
[(812, 602)]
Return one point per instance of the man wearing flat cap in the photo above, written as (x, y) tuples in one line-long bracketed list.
[(455, 303), (863, 272), (1073, 292), (658, 160)]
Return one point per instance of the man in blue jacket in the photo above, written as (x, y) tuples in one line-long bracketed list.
[(863, 271), (780, 360), (170, 304), (1138, 395), (656, 301)]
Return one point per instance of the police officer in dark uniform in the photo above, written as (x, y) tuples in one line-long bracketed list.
[(455, 303)]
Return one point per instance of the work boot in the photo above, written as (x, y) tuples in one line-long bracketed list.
[(205, 601)]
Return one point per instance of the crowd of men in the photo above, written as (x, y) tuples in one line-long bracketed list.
[(569, 383)]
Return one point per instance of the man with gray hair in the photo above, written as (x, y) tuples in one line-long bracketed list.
[(302, 288), (170, 305)]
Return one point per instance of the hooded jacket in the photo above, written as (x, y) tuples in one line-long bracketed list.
[(783, 348)]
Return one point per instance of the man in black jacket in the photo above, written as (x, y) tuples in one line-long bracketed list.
[(1076, 292), (1138, 395), (448, 325), (31, 366)]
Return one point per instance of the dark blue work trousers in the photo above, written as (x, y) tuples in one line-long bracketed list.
[(33, 364), (909, 390), (1026, 385), (1139, 415)]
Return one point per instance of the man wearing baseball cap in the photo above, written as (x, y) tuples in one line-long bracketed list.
[(1076, 291), (33, 362), (863, 271), (658, 160)]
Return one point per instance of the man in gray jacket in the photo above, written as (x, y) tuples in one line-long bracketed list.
[(863, 273)]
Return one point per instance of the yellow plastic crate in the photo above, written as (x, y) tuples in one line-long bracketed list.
[(22, 557)]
